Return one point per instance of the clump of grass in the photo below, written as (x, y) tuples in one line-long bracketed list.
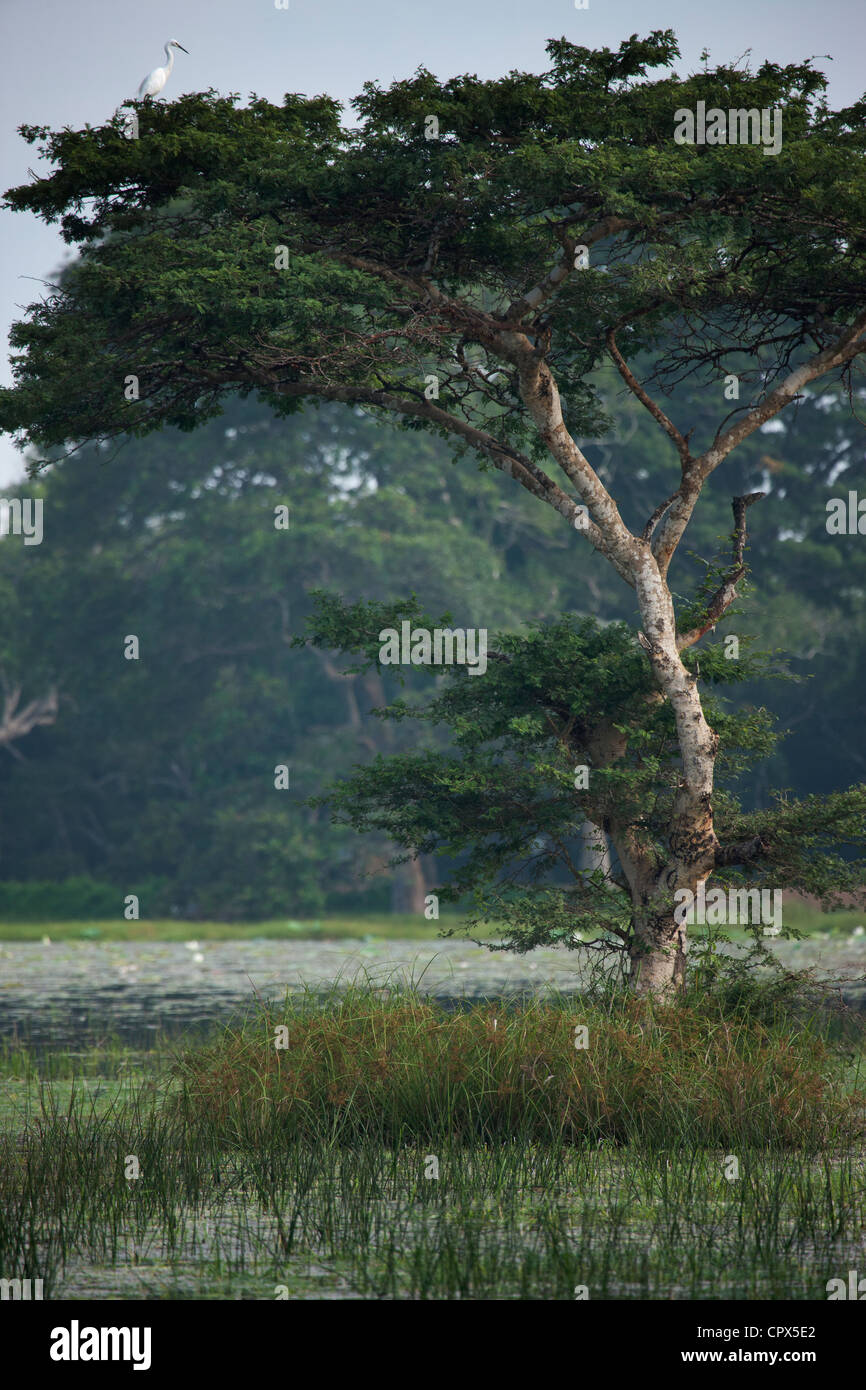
[(262, 1168), (498, 1221), (392, 1067)]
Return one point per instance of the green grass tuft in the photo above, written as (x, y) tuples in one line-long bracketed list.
[(390, 1066)]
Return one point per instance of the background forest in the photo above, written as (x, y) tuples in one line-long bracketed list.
[(157, 776)]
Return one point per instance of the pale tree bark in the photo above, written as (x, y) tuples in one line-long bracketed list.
[(658, 944), (595, 850), (16, 720), (659, 947)]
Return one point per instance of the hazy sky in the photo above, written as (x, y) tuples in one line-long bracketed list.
[(69, 64)]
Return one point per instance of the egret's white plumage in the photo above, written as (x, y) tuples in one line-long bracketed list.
[(156, 80)]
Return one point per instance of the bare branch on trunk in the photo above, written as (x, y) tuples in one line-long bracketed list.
[(16, 723)]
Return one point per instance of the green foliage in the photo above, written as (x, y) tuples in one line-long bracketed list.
[(503, 806), (81, 898), (714, 259), (180, 227), (189, 522), (163, 769)]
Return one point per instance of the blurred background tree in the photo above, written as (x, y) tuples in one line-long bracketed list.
[(157, 775)]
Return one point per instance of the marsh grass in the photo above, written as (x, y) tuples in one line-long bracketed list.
[(305, 1169), (391, 1066)]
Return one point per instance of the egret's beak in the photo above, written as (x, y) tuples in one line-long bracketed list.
[(182, 49)]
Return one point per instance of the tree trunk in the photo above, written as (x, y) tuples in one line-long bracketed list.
[(594, 850), (658, 955), (409, 888), (658, 949)]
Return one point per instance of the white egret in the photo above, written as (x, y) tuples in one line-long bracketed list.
[(156, 80)]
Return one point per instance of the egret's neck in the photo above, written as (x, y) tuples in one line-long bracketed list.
[(169, 57)]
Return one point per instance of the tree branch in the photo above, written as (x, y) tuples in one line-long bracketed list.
[(503, 456), (847, 346), (655, 410), (541, 292), (743, 852), (657, 515), (16, 723), (724, 596)]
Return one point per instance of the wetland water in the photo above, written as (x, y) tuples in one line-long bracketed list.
[(72, 993), (601, 1222)]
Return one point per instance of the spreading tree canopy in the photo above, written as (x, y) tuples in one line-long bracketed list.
[(464, 258)]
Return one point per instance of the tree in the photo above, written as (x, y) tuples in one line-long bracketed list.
[(500, 802), (17, 720), (159, 774), (463, 260)]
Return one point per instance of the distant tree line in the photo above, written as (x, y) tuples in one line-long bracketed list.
[(156, 775)]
